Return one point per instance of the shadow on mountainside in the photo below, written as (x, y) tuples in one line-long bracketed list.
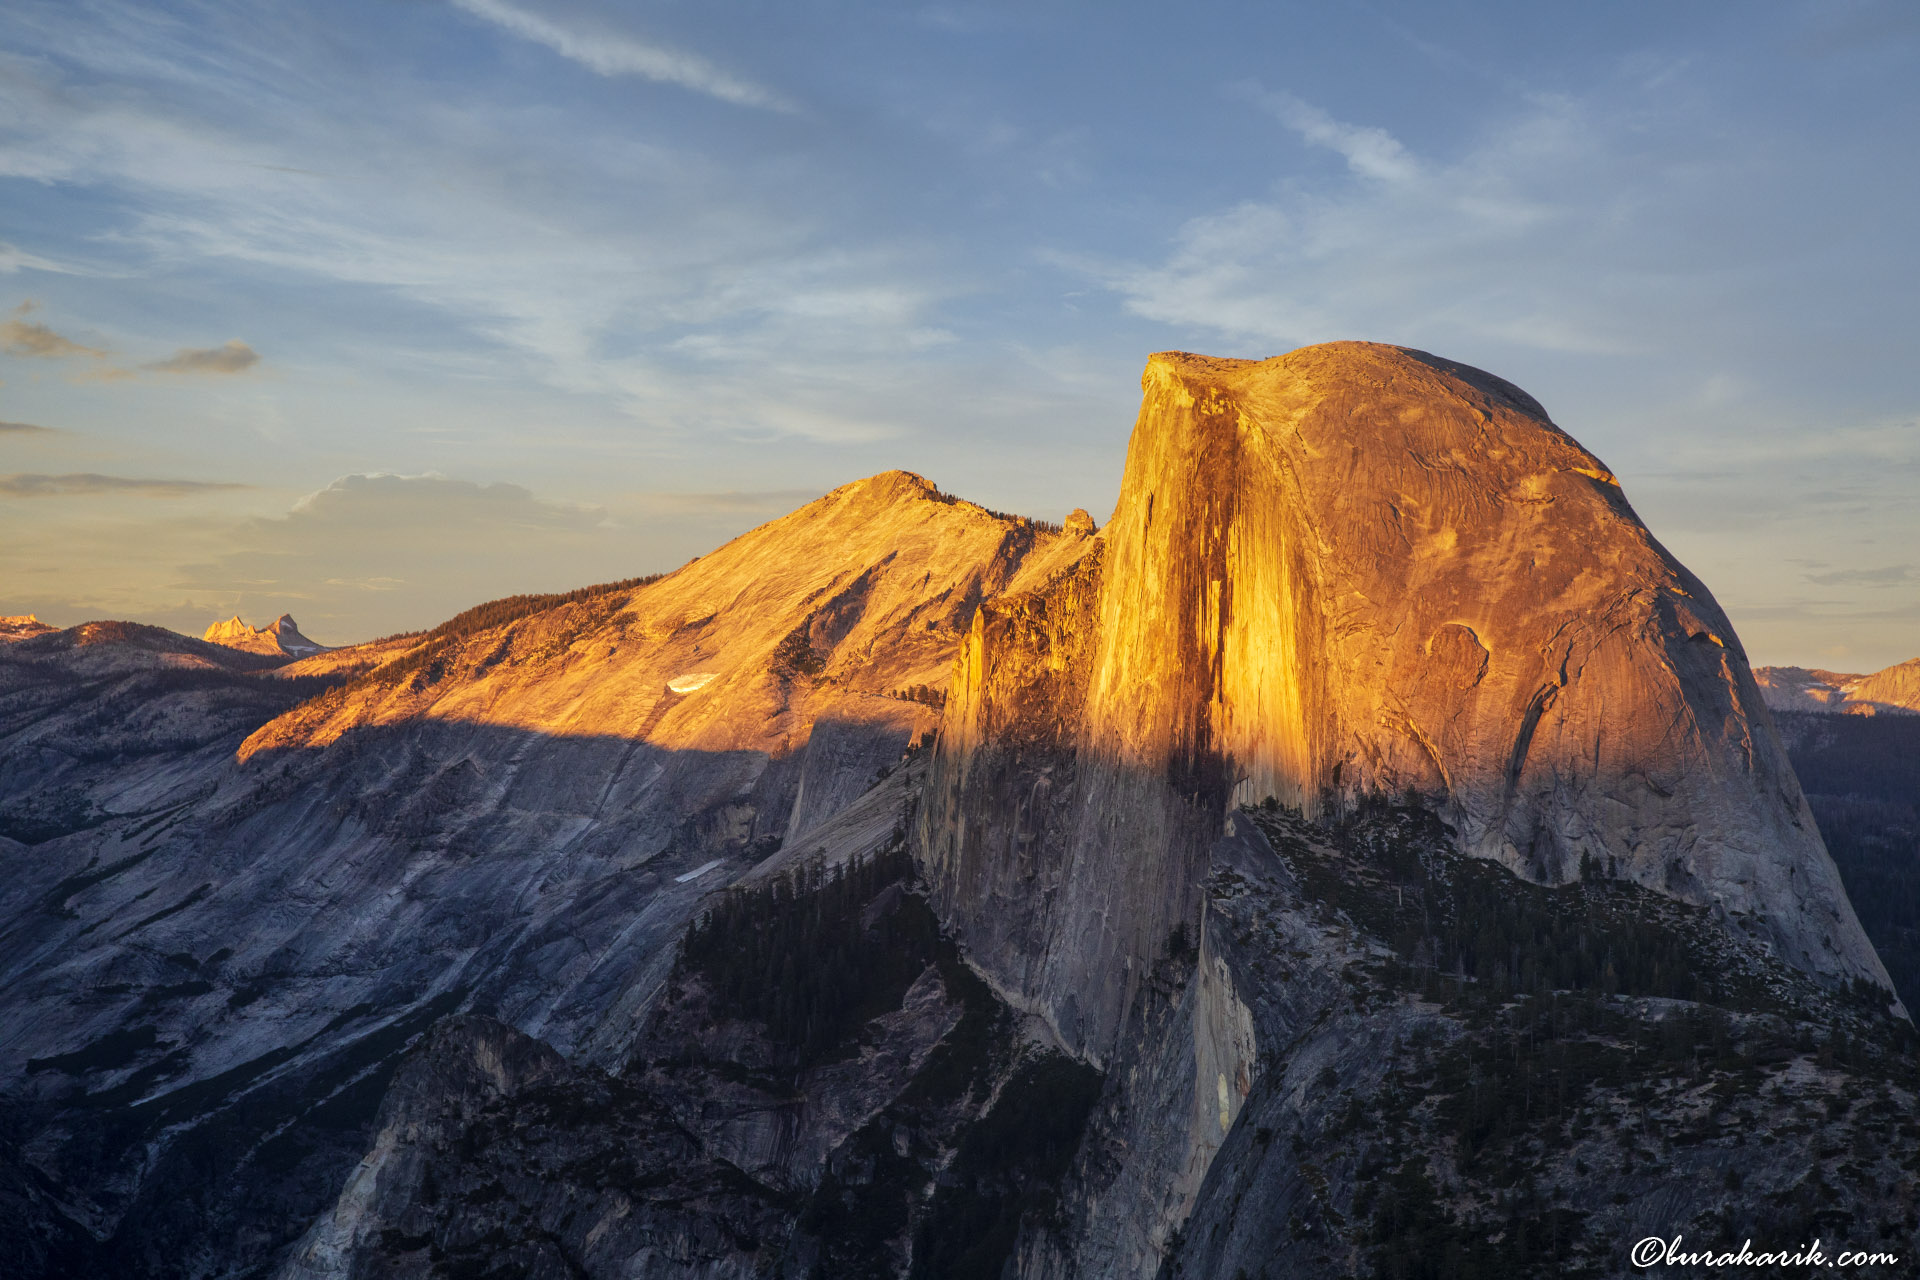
[(1862, 779), (207, 1000)]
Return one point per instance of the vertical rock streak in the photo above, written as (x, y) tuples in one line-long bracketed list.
[(1351, 569)]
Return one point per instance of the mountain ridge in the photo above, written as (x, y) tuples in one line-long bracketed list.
[(281, 637), (1892, 690), (906, 886)]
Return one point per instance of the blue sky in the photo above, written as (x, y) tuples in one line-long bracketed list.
[(367, 312)]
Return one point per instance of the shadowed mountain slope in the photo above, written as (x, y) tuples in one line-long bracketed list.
[(513, 818), (1374, 763)]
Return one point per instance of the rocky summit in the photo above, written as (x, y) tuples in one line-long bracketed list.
[(1368, 854), (279, 637), (1355, 570)]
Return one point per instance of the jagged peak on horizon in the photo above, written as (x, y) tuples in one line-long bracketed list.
[(282, 635)]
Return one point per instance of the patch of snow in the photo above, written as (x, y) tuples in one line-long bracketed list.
[(693, 680), (700, 870)]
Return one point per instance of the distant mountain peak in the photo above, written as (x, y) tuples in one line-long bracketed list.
[(281, 636), (1892, 691), (23, 626)]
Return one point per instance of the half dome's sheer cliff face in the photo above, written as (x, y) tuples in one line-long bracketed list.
[(402, 980), (1357, 569)]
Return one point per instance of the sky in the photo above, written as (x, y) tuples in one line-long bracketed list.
[(368, 312)]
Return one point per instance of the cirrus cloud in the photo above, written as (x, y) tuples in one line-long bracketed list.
[(614, 55), (89, 483)]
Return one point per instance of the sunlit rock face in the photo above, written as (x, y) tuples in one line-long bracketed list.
[(1895, 688), (1355, 569), (816, 617), (279, 638), (1892, 691), (228, 911)]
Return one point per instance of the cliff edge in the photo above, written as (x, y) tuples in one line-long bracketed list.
[(1355, 570)]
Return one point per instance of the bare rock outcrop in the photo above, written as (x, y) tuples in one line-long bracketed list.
[(1350, 836), (827, 614), (1894, 690), (23, 626), (1895, 687), (512, 815), (278, 638), (1355, 570)]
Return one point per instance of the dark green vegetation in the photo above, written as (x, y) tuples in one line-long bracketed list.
[(931, 1169), (1415, 1237), (815, 955), (944, 1142), (795, 656), (1467, 929), (1583, 1048), (498, 613), (1019, 522), (1008, 1168), (1862, 779), (923, 694)]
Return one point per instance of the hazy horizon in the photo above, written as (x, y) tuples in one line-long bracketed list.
[(373, 313)]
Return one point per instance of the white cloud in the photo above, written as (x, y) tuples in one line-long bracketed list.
[(1369, 151), (616, 55), (612, 260), (1518, 241), (14, 259), (373, 505)]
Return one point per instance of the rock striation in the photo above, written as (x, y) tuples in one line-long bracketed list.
[(221, 954), (1895, 690), (822, 616), (1369, 848), (1355, 570)]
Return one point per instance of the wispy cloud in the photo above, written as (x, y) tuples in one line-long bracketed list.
[(368, 584), (1368, 150), (608, 54), (1517, 240), (510, 245), (21, 337), (11, 428), (234, 356), (1891, 575), (399, 551), (85, 483), (14, 258)]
